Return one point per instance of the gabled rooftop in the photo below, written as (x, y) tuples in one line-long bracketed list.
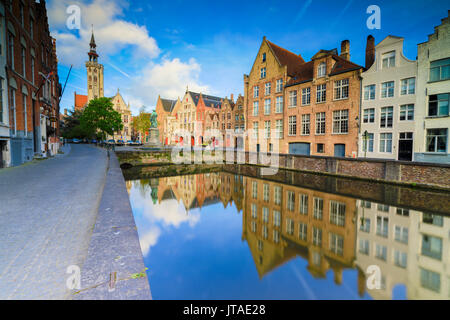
[(306, 72), (286, 58), (210, 101), (168, 104)]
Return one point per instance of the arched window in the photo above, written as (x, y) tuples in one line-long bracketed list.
[(321, 70)]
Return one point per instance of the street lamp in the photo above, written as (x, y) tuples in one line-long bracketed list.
[(365, 139)]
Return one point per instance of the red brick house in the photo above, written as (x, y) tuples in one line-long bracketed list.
[(32, 81), (322, 106)]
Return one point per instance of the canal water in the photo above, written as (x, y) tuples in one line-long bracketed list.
[(223, 235)]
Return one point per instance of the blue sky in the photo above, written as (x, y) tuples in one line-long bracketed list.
[(160, 47)]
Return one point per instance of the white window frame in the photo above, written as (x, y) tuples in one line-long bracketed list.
[(279, 129), (263, 73), (341, 89), (306, 124), (388, 89), (385, 142), (369, 115), (279, 86), (268, 88), (292, 128), (369, 92), (407, 110), (255, 91), (387, 117), (388, 60), (255, 108), (320, 123), (408, 86), (321, 70), (306, 96), (267, 106), (321, 93), (267, 125), (341, 121), (279, 104), (292, 98)]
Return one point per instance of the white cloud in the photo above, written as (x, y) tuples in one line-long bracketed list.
[(168, 79), (154, 219), (112, 33), (149, 239)]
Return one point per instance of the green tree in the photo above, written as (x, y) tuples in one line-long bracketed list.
[(141, 123), (100, 116), (72, 127)]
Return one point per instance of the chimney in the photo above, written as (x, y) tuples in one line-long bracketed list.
[(370, 51), (345, 50), (232, 97)]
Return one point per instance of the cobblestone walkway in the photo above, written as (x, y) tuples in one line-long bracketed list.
[(47, 214)]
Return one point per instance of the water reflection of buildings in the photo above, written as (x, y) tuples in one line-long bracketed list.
[(197, 191), (332, 232), (410, 247), (281, 222)]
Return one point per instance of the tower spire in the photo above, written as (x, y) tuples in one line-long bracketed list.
[(93, 52)]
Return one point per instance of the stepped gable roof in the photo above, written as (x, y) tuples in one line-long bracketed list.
[(287, 58), (168, 104), (230, 102), (210, 101)]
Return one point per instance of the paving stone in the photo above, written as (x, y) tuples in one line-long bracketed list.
[(47, 213)]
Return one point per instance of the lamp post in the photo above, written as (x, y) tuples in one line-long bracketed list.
[(365, 139)]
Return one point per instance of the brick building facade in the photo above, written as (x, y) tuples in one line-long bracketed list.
[(322, 106), (32, 81), (264, 94), (5, 139), (164, 108)]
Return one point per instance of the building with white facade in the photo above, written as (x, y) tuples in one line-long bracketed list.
[(433, 97), (409, 247), (5, 143), (388, 104)]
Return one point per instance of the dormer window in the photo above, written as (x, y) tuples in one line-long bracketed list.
[(321, 71), (264, 57), (388, 60)]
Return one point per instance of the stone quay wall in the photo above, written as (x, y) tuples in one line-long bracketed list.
[(401, 172)]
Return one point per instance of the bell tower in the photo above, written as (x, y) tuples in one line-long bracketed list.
[(94, 72)]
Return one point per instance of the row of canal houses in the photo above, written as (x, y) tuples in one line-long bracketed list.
[(188, 120), (29, 83), (390, 108)]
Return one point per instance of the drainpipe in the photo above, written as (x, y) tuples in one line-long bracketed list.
[(360, 112)]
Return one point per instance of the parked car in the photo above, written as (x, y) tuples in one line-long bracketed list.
[(111, 141), (76, 141), (130, 142), (120, 143), (93, 141)]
